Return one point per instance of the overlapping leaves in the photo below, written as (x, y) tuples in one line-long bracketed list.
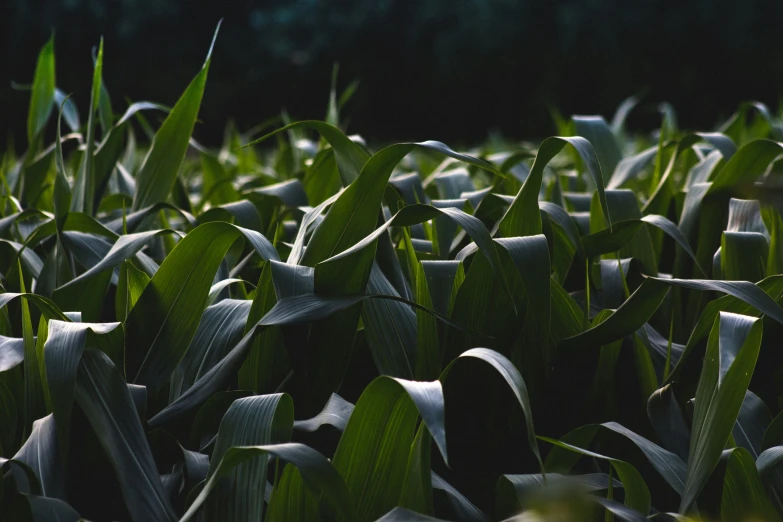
[(168, 311)]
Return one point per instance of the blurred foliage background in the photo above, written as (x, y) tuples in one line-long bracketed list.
[(453, 70)]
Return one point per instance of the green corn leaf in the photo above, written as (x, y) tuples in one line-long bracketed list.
[(522, 217), (436, 283), (47, 308), (531, 257), (743, 256), (251, 421), (511, 378), (42, 454), (134, 219), (65, 344), (643, 303), (734, 302), (750, 161), (350, 157), (123, 249), (161, 166), (743, 494), (336, 413), (222, 326), (84, 186), (352, 215), (42, 509), (417, 488), (130, 286), (24, 476), (513, 492), (752, 422), (166, 316), (415, 214), (207, 420), (731, 356), (595, 130), (668, 465), (291, 499), (317, 472), (70, 112), (668, 421), (62, 190), (631, 316), (34, 398), (391, 328), (637, 494), (43, 92), (379, 435), (288, 311), (103, 396), (11, 352), (463, 507), (267, 361), (630, 167)]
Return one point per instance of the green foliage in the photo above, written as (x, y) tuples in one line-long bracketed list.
[(571, 333)]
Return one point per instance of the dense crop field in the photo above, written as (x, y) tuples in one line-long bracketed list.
[(303, 327)]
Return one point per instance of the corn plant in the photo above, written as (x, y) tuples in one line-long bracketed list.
[(299, 326)]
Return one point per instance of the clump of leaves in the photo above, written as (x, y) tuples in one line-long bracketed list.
[(319, 330)]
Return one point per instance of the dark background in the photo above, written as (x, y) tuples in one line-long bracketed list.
[(453, 70)]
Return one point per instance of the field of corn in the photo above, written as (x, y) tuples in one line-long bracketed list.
[(301, 326)]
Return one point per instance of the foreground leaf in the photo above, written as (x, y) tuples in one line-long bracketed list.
[(732, 350)]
